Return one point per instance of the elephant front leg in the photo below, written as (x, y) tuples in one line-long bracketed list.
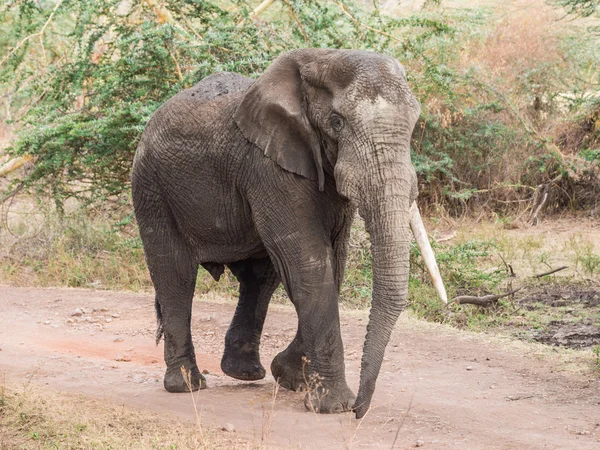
[(312, 287), (289, 367), (258, 280)]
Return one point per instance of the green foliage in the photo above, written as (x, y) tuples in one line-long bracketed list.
[(587, 260), (83, 95), (81, 78), (460, 267), (581, 8)]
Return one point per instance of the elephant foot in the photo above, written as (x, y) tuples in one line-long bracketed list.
[(242, 365), (175, 381), (332, 400), (288, 371)]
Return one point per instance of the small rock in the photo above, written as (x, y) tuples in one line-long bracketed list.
[(119, 339), (70, 321), (124, 357), (419, 443), (266, 335), (77, 312), (108, 320), (115, 316), (205, 372), (228, 427), (154, 361), (47, 322), (469, 367)]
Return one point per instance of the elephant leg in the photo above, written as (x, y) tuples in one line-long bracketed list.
[(312, 288), (258, 280), (173, 272), (289, 367)]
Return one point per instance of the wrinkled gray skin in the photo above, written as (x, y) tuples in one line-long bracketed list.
[(264, 177)]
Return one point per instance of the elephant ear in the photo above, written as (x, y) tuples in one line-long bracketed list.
[(272, 115)]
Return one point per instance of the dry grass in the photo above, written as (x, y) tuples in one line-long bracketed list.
[(531, 250), (580, 361), (39, 247), (525, 37), (36, 418)]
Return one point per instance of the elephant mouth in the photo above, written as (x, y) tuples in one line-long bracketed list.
[(418, 230)]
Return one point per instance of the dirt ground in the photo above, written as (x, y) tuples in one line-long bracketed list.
[(438, 387)]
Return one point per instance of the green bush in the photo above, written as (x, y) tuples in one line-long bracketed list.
[(107, 67), (81, 79)]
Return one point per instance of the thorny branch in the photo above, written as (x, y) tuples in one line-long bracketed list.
[(347, 13), (31, 36)]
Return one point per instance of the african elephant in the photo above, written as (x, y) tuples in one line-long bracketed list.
[(264, 177)]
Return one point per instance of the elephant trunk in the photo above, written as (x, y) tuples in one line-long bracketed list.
[(386, 216), (389, 218)]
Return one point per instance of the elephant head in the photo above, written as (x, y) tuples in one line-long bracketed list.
[(349, 115)]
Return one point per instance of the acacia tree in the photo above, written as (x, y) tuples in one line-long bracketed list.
[(83, 77)]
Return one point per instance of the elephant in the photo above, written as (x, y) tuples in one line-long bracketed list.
[(265, 177)]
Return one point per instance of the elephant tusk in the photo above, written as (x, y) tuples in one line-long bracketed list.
[(418, 229)]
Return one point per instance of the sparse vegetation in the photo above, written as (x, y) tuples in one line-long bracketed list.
[(80, 251), (36, 418), (596, 361)]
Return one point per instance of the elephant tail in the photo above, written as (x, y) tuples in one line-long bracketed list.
[(159, 321)]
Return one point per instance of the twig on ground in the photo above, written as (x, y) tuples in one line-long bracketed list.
[(509, 268), (550, 272), (403, 420), (486, 300), (447, 238)]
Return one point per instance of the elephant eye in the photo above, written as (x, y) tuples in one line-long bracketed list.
[(336, 122)]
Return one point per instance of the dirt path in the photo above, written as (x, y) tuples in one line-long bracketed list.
[(436, 385)]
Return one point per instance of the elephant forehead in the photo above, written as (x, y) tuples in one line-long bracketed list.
[(382, 109)]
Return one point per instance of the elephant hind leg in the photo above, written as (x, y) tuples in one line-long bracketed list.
[(173, 272), (258, 280)]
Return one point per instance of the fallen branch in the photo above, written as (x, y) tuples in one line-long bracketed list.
[(550, 272), (486, 300)]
